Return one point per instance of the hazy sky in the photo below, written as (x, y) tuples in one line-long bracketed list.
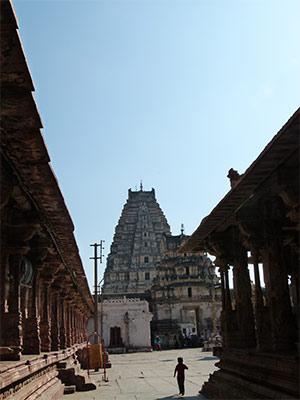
[(171, 92)]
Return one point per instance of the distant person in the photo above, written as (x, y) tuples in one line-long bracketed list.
[(157, 342), (181, 340), (180, 367), (176, 344)]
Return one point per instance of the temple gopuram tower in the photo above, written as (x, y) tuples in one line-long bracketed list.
[(136, 247)]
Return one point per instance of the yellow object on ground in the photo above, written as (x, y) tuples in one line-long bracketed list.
[(95, 356)]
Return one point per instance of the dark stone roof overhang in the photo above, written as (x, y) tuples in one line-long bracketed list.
[(24, 149), (282, 146)]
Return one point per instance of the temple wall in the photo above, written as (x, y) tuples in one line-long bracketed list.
[(133, 318)]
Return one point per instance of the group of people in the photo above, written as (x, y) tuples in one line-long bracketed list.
[(182, 340)]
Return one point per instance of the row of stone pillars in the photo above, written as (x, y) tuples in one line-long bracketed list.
[(45, 315), (267, 323)]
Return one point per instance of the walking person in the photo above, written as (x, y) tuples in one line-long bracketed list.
[(157, 342), (180, 367)]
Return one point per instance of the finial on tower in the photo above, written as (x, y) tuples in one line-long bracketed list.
[(141, 185), (182, 229)]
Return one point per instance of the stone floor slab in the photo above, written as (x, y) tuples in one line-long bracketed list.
[(149, 376)]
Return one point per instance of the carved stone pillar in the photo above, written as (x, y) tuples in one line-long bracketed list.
[(45, 325), (32, 340), (76, 325), (38, 251), (63, 337), (12, 320), (262, 317), (24, 302), (244, 308), (51, 265), (228, 300), (78, 322), (278, 296), (82, 328), (68, 323), (295, 287), (226, 313), (55, 321), (72, 323), (5, 283)]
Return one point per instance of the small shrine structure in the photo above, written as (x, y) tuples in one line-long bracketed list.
[(124, 324)]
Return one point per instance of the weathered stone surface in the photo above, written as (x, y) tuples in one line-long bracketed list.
[(69, 378), (124, 324)]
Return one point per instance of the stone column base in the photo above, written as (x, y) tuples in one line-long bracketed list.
[(12, 335), (31, 340), (45, 336), (247, 374)]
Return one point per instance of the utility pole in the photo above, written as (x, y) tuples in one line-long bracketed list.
[(95, 258)]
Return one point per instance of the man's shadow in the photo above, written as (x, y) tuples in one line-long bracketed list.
[(176, 396)]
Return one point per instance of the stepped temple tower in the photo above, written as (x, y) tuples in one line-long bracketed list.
[(136, 247)]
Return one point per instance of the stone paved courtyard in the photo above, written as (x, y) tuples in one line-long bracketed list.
[(149, 376)]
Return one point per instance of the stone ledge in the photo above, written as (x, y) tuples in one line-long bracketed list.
[(36, 377), (18, 370)]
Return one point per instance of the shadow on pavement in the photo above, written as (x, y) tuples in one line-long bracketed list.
[(177, 396)]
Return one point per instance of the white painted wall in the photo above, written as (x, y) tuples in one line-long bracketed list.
[(136, 332)]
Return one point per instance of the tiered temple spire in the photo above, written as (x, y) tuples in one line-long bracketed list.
[(136, 247)]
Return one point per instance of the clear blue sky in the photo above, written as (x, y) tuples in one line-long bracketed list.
[(171, 92)]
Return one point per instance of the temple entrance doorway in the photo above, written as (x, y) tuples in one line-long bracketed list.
[(115, 337)]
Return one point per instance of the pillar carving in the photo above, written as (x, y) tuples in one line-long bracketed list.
[(51, 265), (244, 309), (250, 225), (85, 327), (55, 319), (39, 247), (227, 315), (13, 334), (45, 325), (68, 323), (278, 296), (82, 327), (32, 339), (262, 311), (63, 337), (5, 283), (73, 329), (290, 196)]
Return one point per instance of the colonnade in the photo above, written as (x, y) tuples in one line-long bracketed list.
[(266, 318), (42, 315)]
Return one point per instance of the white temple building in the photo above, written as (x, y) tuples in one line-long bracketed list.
[(124, 324)]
